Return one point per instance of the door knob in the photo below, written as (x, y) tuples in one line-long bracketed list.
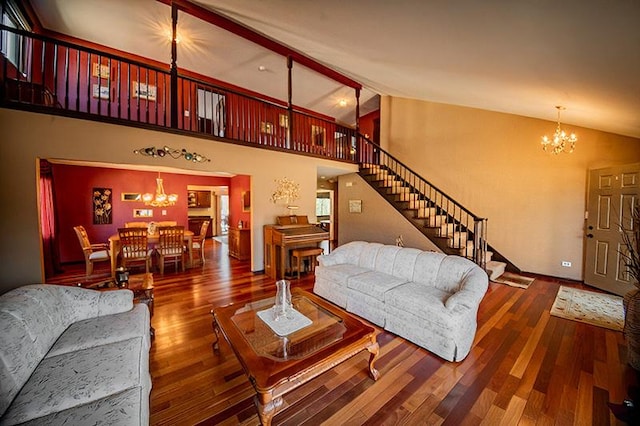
[(589, 235)]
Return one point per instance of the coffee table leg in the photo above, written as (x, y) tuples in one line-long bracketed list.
[(268, 409), (373, 349), (214, 325)]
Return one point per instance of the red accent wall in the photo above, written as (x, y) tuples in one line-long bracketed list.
[(73, 186), (238, 185), (366, 123)]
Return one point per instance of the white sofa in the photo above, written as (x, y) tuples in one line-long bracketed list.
[(73, 356), (428, 298)]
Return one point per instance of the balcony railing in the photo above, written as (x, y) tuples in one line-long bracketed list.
[(45, 74)]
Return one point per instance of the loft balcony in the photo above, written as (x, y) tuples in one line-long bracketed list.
[(54, 76)]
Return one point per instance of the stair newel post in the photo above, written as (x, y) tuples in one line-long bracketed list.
[(478, 242)]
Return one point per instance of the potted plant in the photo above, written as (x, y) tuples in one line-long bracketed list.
[(631, 258)]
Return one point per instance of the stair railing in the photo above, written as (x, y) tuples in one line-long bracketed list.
[(449, 220)]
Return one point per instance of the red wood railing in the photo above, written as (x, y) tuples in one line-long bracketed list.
[(63, 78)]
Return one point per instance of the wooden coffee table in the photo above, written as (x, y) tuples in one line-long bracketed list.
[(276, 365)]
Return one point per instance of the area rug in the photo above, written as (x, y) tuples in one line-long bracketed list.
[(514, 280), (602, 310)]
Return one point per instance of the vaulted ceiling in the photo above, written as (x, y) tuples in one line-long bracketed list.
[(520, 57)]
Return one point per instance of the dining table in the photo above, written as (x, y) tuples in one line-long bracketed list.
[(152, 241)]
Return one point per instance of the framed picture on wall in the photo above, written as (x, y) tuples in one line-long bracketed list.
[(102, 206), (355, 206), (100, 70), (144, 91), (101, 91)]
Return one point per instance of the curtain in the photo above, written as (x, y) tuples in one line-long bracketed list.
[(50, 248)]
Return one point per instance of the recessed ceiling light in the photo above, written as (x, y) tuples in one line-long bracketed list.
[(262, 68), (342, 102)]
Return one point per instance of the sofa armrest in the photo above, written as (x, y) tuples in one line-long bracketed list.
[(472, 289), (462, 298), (327, 260), (114, 302)]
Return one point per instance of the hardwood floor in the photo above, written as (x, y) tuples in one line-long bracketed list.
[(526, 367)]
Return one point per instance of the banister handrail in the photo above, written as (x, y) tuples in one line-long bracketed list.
[(90, 50), (377, 147)]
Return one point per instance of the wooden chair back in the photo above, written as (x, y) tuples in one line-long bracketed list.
[(203, 229), (170, 245), (133, 243), (171, 240), (92, 252), (83, 238)]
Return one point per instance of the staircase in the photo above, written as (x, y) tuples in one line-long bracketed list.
[(451, 227)]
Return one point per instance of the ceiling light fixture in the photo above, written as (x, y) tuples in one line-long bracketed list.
[(560, 142), (342, 103), (160, 199)]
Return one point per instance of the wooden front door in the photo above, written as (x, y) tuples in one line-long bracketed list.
[(613, 192)]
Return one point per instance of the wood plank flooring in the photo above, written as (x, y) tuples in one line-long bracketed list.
[(526, 367)]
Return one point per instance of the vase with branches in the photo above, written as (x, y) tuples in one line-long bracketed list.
[(630, 255)]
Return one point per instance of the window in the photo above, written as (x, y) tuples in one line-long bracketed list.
[(12, 45), (323, 206)]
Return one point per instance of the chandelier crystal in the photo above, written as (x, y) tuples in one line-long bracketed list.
[(160, 199), (561, 141)]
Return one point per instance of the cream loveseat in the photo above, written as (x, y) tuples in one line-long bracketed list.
[(428, 298), (73, 356)]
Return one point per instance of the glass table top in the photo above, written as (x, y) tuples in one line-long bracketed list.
[(326, 328)]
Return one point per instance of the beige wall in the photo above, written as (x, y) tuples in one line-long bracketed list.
[(28, 136), (494, 165), (378, 222)]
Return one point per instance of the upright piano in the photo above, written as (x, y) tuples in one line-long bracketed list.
[(288, 233)]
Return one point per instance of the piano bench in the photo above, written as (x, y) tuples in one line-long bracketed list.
[(300, 254)]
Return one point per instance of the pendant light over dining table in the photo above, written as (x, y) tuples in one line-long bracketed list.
[(160, 199)]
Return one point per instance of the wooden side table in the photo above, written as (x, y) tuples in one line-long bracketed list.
[(142, 287)]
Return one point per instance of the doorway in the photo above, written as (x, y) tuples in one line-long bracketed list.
[(613, 193)]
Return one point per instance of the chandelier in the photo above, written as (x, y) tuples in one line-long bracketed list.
[(160, 199), (560, 142)]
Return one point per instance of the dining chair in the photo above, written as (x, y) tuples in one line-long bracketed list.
[(134, 247), (92, 252), (170, 245), (197, 243)]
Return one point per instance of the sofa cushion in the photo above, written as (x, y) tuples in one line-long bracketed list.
[(104, 330), (405, 263), (426, 267), (339, 273), (124, 408), (374, 284), (368, 255), (76, 378), (385, 259), (422, 301)]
